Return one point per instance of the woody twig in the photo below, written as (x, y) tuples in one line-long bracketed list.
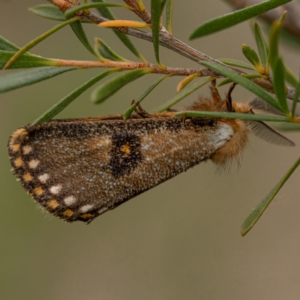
[(167, 41)]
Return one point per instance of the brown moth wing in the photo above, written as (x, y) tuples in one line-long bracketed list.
[(79, 168)]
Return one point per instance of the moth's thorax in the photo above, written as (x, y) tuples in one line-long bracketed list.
[(235, 146)]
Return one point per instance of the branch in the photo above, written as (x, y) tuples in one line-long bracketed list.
[(169, 42), (132, 66)]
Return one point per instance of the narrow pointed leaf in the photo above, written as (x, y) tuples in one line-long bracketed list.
[(249, 76), (236, 17), (236, 63), (107, 89), (248, 84), (273, 41), (230, 115), (279, 86), (296, 99), (261, 207), (156, 13), (106, 13), (131, 109), (70, 12), (7, 45), (37, 40), (25, 61), (107, 52), (184, 93), (183, 83), (64, 102), (261, 44), (169, 15), (290, 77), (78, 30), (251, 55), (162, 6), (23, 78), (48, 11), (141, 5), (124, 23)]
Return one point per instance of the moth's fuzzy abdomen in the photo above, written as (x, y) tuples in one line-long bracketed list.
[(235, 146)]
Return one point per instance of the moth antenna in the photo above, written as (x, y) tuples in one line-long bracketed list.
[(229, 99), (259, 104), (214, 92), (263, 131)]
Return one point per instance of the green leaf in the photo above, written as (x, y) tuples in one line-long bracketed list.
[(78, 30), (249, 76), (184, 93), (261, 44), (230, 115), (279, 86), (48, 11), (16, 80), (64, 102), (236, 63), (274, 40), (236, 17), (290, 77), (107, 89), (156, 13), (131, 109), (296, 99), (37, 40), (251, 55), (169, 15), (106, 13), (106, 51), (25, 61), (248, 84), (162, 6), (7, 45), (261, 207), (70, 12), (141, 5), (288, 127)]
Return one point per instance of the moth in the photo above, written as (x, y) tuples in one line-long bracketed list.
[(77, 169)]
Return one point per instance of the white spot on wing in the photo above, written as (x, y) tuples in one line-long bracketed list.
[(86, 208), (70, 200), (27, 149), (55, 189), (43, 178), (33, 163)]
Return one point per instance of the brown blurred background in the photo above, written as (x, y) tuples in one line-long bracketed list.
[(180, 240)]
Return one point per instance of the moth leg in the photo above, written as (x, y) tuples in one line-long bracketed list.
[(214, 92), (229, 99), (140, 111)]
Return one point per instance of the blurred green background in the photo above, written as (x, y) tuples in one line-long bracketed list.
[(180, 240)]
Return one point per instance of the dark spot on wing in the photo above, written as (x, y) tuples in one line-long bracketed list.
[(125, 153)]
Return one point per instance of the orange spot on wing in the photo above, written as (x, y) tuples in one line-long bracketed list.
[(68, 213), (18, 162), (38, 191), (53, 204), (27, 177), (126, 149), (86, 216), (15, 147)]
